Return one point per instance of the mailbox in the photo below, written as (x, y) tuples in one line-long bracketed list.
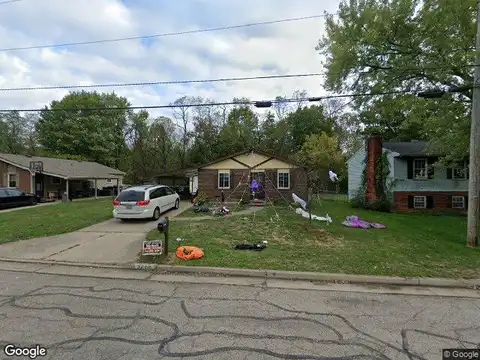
[(163, 226)]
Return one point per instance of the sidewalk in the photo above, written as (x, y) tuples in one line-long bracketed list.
[(112, 272)]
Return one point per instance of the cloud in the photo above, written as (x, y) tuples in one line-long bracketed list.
[(274, 49)]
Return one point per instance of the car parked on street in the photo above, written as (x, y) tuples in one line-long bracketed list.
[(12, 198), (145, 202)]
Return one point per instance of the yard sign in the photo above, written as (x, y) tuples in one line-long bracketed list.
[(152, 247)]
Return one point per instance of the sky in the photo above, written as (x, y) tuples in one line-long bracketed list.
[(275, 49)]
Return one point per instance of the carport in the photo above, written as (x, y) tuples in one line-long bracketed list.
[(50, 178), (184, 182)]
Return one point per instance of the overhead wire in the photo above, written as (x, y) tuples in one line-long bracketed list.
[(168, 34), (258, 104), (200, 81), (168, 82), (9, 1)]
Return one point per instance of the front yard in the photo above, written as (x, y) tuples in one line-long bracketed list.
[(38, 221), (233, 207), (411, 245)]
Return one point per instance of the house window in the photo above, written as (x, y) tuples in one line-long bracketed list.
[(420, 169), (108, 181), (458, 202), (12, 180), (460, 172), (283, 179), (224, 179), (419, 202), (55, 180)]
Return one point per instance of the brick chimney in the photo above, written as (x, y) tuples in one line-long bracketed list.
[(374, 152)]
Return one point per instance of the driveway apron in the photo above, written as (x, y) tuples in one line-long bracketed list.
[(110, 242)]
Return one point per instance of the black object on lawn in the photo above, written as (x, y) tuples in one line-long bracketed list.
[(254, 247)]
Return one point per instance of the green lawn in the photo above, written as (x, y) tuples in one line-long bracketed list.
[(234, 207), (37, 221), (412, 245)]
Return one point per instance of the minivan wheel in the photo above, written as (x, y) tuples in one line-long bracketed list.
[(177, 204), (156, 214)]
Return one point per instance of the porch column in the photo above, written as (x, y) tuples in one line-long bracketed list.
[(32, 183), (118, 186), (96, 189), (67, 190)]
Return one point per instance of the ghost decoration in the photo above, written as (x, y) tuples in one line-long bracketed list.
[(333, 177)]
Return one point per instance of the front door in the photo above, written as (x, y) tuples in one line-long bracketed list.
[(39, 185), (259, 177)]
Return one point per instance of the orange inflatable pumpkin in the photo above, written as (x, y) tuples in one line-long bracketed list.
[(189, 253)]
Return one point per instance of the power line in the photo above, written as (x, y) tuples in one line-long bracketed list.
[(258, 104), (9, 1), (172, 82), (232, 79), (176, 33)]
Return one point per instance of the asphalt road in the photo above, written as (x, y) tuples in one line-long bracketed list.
[(102, 319)]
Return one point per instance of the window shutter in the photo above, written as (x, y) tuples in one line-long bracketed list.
[(217, 177), (232, 184), (410, 202), (466, 201), (430, 202), (291, 175), (410, 168), (449, 173), (449, 202)]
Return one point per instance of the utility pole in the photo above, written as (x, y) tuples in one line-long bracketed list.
[(474, 171)]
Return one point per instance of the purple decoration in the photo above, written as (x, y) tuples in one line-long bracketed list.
[(356, 222), (254, 186)]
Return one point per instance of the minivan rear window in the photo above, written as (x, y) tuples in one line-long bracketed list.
[(131, 195)]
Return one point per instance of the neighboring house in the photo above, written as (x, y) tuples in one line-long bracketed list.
[(58, 175), (232, 175), (417, 184)]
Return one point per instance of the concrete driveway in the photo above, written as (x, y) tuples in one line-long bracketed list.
[(109, 242)]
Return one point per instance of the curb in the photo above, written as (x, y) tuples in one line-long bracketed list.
[(272, 274)]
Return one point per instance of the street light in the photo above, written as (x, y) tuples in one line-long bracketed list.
[(435, 94)]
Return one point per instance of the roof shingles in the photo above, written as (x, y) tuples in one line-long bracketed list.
[(64, 168), (412, 148)]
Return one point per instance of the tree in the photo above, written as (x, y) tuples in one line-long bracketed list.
[(208, 121), (182, 113), (304, 122), (69, 126), (139, 169), (241, 131), (319, 154), (13, 133), (396, 45), (160, 143)]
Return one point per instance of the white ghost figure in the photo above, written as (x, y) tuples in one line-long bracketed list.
[(332, 176)]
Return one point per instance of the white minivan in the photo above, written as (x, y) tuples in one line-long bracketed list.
[(145, 202)]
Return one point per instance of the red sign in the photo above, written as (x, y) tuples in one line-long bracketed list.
[(152, 247)]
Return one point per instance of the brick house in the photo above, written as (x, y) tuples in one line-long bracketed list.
[(58, 175), (232, 175), (419, 184)]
